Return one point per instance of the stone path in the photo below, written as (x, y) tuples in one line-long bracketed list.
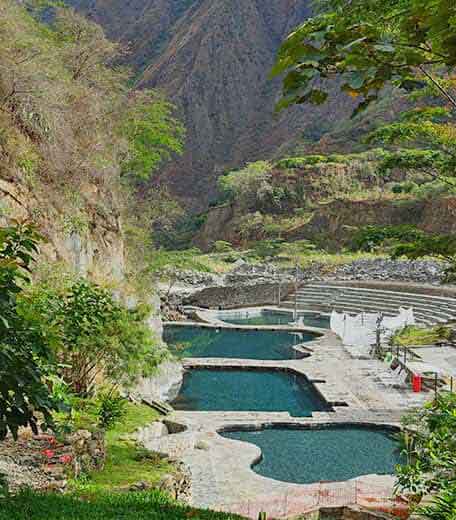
[(441, 359), (222, 474)]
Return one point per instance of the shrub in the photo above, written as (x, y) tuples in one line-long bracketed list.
[(93, 334), (246, 186), (3, 486), (220, 246), (443, 506), (24, 351), (111, 408), (370, 237), (430, 444), (266, 248), (404, 187), (300, 162), (150, 505)]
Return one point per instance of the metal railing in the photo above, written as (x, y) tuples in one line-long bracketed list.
[(323, 495)]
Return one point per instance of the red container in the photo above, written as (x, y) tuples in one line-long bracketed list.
[(417, 383)]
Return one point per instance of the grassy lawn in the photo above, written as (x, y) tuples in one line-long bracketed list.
[(126, 462), (215, 263), (416, 336), (330, 260), (118, 506), (104, 495)]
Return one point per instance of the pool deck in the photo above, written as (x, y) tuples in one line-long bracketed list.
[(222, 477), (221, 324)]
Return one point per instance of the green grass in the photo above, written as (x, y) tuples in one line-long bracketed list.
[(216, 264), (104, 495), (416, 336), (151, 505), (126, 463), (329, 260)]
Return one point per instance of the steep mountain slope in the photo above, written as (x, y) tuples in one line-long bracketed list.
[(212, 57)]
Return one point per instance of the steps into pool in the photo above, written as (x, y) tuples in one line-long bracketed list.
[(429, 309)]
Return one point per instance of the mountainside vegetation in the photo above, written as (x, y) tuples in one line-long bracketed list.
[(73, 133), (76, 145), (409, 161), (212, 58), (92, 220)]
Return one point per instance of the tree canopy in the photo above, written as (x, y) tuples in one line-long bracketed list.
[(24, 351), (362, 46), (368, 43)]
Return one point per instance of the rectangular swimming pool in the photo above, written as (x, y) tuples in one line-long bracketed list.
[(269, 317), (248, 390), (200, 342)]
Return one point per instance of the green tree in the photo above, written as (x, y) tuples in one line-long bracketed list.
[(152, 132), (97, 336), (24, 352), (246, 185), (430, 444), (368, 43)]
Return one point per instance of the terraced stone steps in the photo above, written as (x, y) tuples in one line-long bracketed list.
[(370, 305), (428, 309), (438, 310)]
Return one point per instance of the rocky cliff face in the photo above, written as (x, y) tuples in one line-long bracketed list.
[(213, 57), (331, 225), (95, 249)]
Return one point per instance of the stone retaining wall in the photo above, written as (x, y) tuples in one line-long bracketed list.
[(235, 296), (162, 386), (88, 451)]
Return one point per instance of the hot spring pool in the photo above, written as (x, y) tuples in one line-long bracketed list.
[(245, 317), (248, 390), (226, 343), (324, 454)]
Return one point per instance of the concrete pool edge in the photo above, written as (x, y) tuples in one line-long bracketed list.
[(300, 350), (220, 479), (222, 469), (303, 426), (294, 367), (210, 364), (210, 319)]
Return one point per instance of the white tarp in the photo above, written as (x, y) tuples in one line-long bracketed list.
[(361, 330)]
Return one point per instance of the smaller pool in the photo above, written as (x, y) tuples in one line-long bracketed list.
[(248, 390), (197, 342), (331, 454), (245, 317)]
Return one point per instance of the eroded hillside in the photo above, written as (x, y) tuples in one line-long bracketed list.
[(213, 58)]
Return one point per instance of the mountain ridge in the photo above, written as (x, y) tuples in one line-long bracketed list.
[(213, 58)]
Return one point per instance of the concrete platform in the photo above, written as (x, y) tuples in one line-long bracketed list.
[(222, 476)]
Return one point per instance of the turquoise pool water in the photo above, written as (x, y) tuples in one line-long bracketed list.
[(277, 318), (248, 390), (335, 454), (225, 343)]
